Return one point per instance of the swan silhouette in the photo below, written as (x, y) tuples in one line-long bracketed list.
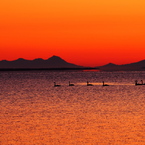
[(105, 84), (136, 83), (55, 85), (89, 84), (70, 84), (142, 82)]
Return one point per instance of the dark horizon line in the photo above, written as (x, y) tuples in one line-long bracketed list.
[(49, 69)]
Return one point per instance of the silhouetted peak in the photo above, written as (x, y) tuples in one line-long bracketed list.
[(38, 59), (20, 59), (56, 58), (4, 60), (110, 64)]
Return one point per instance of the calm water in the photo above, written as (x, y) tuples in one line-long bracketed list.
[(33, 112)]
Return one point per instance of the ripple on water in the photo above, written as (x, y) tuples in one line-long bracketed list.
[(34, 112)]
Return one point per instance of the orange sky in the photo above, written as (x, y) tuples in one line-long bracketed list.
[(83, 32)]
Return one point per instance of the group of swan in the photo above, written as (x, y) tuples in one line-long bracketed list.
[(88, 84), (70, 84)]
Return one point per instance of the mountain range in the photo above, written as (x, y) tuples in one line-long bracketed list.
[(136, 66), (55, 62), (52, 62)]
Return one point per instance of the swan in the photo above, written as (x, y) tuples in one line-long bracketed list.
[(105, 84), (70, 84), (142, 82), (136, 83), (56, 85), (89, 84)]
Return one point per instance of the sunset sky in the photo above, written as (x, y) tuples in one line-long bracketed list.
[(84, 32)]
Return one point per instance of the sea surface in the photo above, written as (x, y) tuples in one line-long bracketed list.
[(34, 112)]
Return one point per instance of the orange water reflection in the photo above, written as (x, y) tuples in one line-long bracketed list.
[(79, 115)]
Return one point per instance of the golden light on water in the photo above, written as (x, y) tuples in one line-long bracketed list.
[(33, 112)]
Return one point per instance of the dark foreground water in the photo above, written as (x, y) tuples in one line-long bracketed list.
[(33, 112)]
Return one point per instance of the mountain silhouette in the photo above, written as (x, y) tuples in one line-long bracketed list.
[(136, 66), (52, 62), (56, 62)]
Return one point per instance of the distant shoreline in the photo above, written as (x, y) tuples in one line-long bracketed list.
[(62, 69), (46, 69)]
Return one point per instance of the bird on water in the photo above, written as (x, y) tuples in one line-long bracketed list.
[(142, 82), (55, 85), (105, 84), (70, 84), (136, 83), (88, 84)]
